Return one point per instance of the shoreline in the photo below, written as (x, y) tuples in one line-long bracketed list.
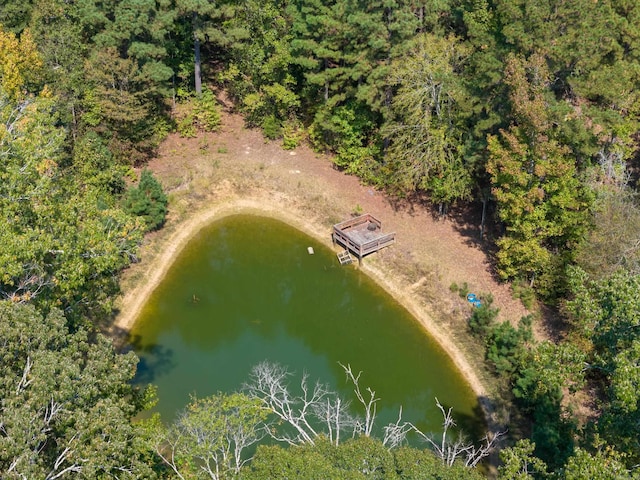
[(134, 300)]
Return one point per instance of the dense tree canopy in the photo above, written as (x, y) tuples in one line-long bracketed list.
[(63, 242), (355, 459), (67, 403), (606, 313)]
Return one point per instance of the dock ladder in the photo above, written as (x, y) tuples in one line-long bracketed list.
[(345, 258)]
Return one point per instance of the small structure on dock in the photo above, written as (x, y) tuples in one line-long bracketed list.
[(362, 235)]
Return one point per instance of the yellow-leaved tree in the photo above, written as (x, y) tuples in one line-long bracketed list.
[(20, 62)]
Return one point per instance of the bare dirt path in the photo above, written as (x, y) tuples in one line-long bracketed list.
[(235, 170)]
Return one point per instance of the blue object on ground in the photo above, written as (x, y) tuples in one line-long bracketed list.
[(477, 303), (471, 297)]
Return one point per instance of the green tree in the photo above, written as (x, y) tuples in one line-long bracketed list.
[(416, 464), (612, 244), (519, 463), (148, 201), (62, 242), (358, 458), (120, 104), (208, 23), (211, 436), (346, 130), (543, 374), (64, 46), (343, 51), (298, 462), (15, 15), (319, 40), (479, 26), (366, 455), (67, 402), (259, 70), (604, 464), (541, 200), (20, 63), (125, 66), (333, 58), (426, 124), (95, 168), (482, 318), (547, 369), (505, 345)]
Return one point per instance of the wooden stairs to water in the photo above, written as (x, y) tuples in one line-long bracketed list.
[(345, 258)]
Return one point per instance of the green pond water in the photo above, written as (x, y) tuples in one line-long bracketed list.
[(245, 290)]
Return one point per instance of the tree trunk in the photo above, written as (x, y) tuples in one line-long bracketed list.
[(326, 82), (196, 50), (388, 100), (484, 213)]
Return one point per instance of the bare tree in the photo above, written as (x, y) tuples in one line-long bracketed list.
[(459, 449), (269, 384), (31, 283), (167, 447), (334, 413), (313, 408), (613, 166), (62, 458), (395, 434), (370, 407)]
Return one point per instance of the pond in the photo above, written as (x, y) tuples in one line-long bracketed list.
[(245, 289)]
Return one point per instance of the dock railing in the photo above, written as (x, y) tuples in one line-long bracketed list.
[(357, 221), (341, 235), (378, 243)]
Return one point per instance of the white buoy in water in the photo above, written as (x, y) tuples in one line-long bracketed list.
[(310, 250)]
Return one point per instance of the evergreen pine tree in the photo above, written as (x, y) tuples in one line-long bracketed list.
[(147, 201)]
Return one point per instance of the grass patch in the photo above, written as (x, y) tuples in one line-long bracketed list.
[(462, 289)]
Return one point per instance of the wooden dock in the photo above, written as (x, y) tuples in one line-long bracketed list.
[(362, 235)]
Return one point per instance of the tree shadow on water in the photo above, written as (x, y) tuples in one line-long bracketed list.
[(155, 360), (472, 426), (478, 430)]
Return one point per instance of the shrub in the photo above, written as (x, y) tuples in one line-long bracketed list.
[(525, 293), (186, 127), (206, 111), (463, 290), (482, 316), (271, 127), (292, 134), (200, 113), (162, 126)]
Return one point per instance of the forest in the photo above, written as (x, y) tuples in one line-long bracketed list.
[(526, 110)]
